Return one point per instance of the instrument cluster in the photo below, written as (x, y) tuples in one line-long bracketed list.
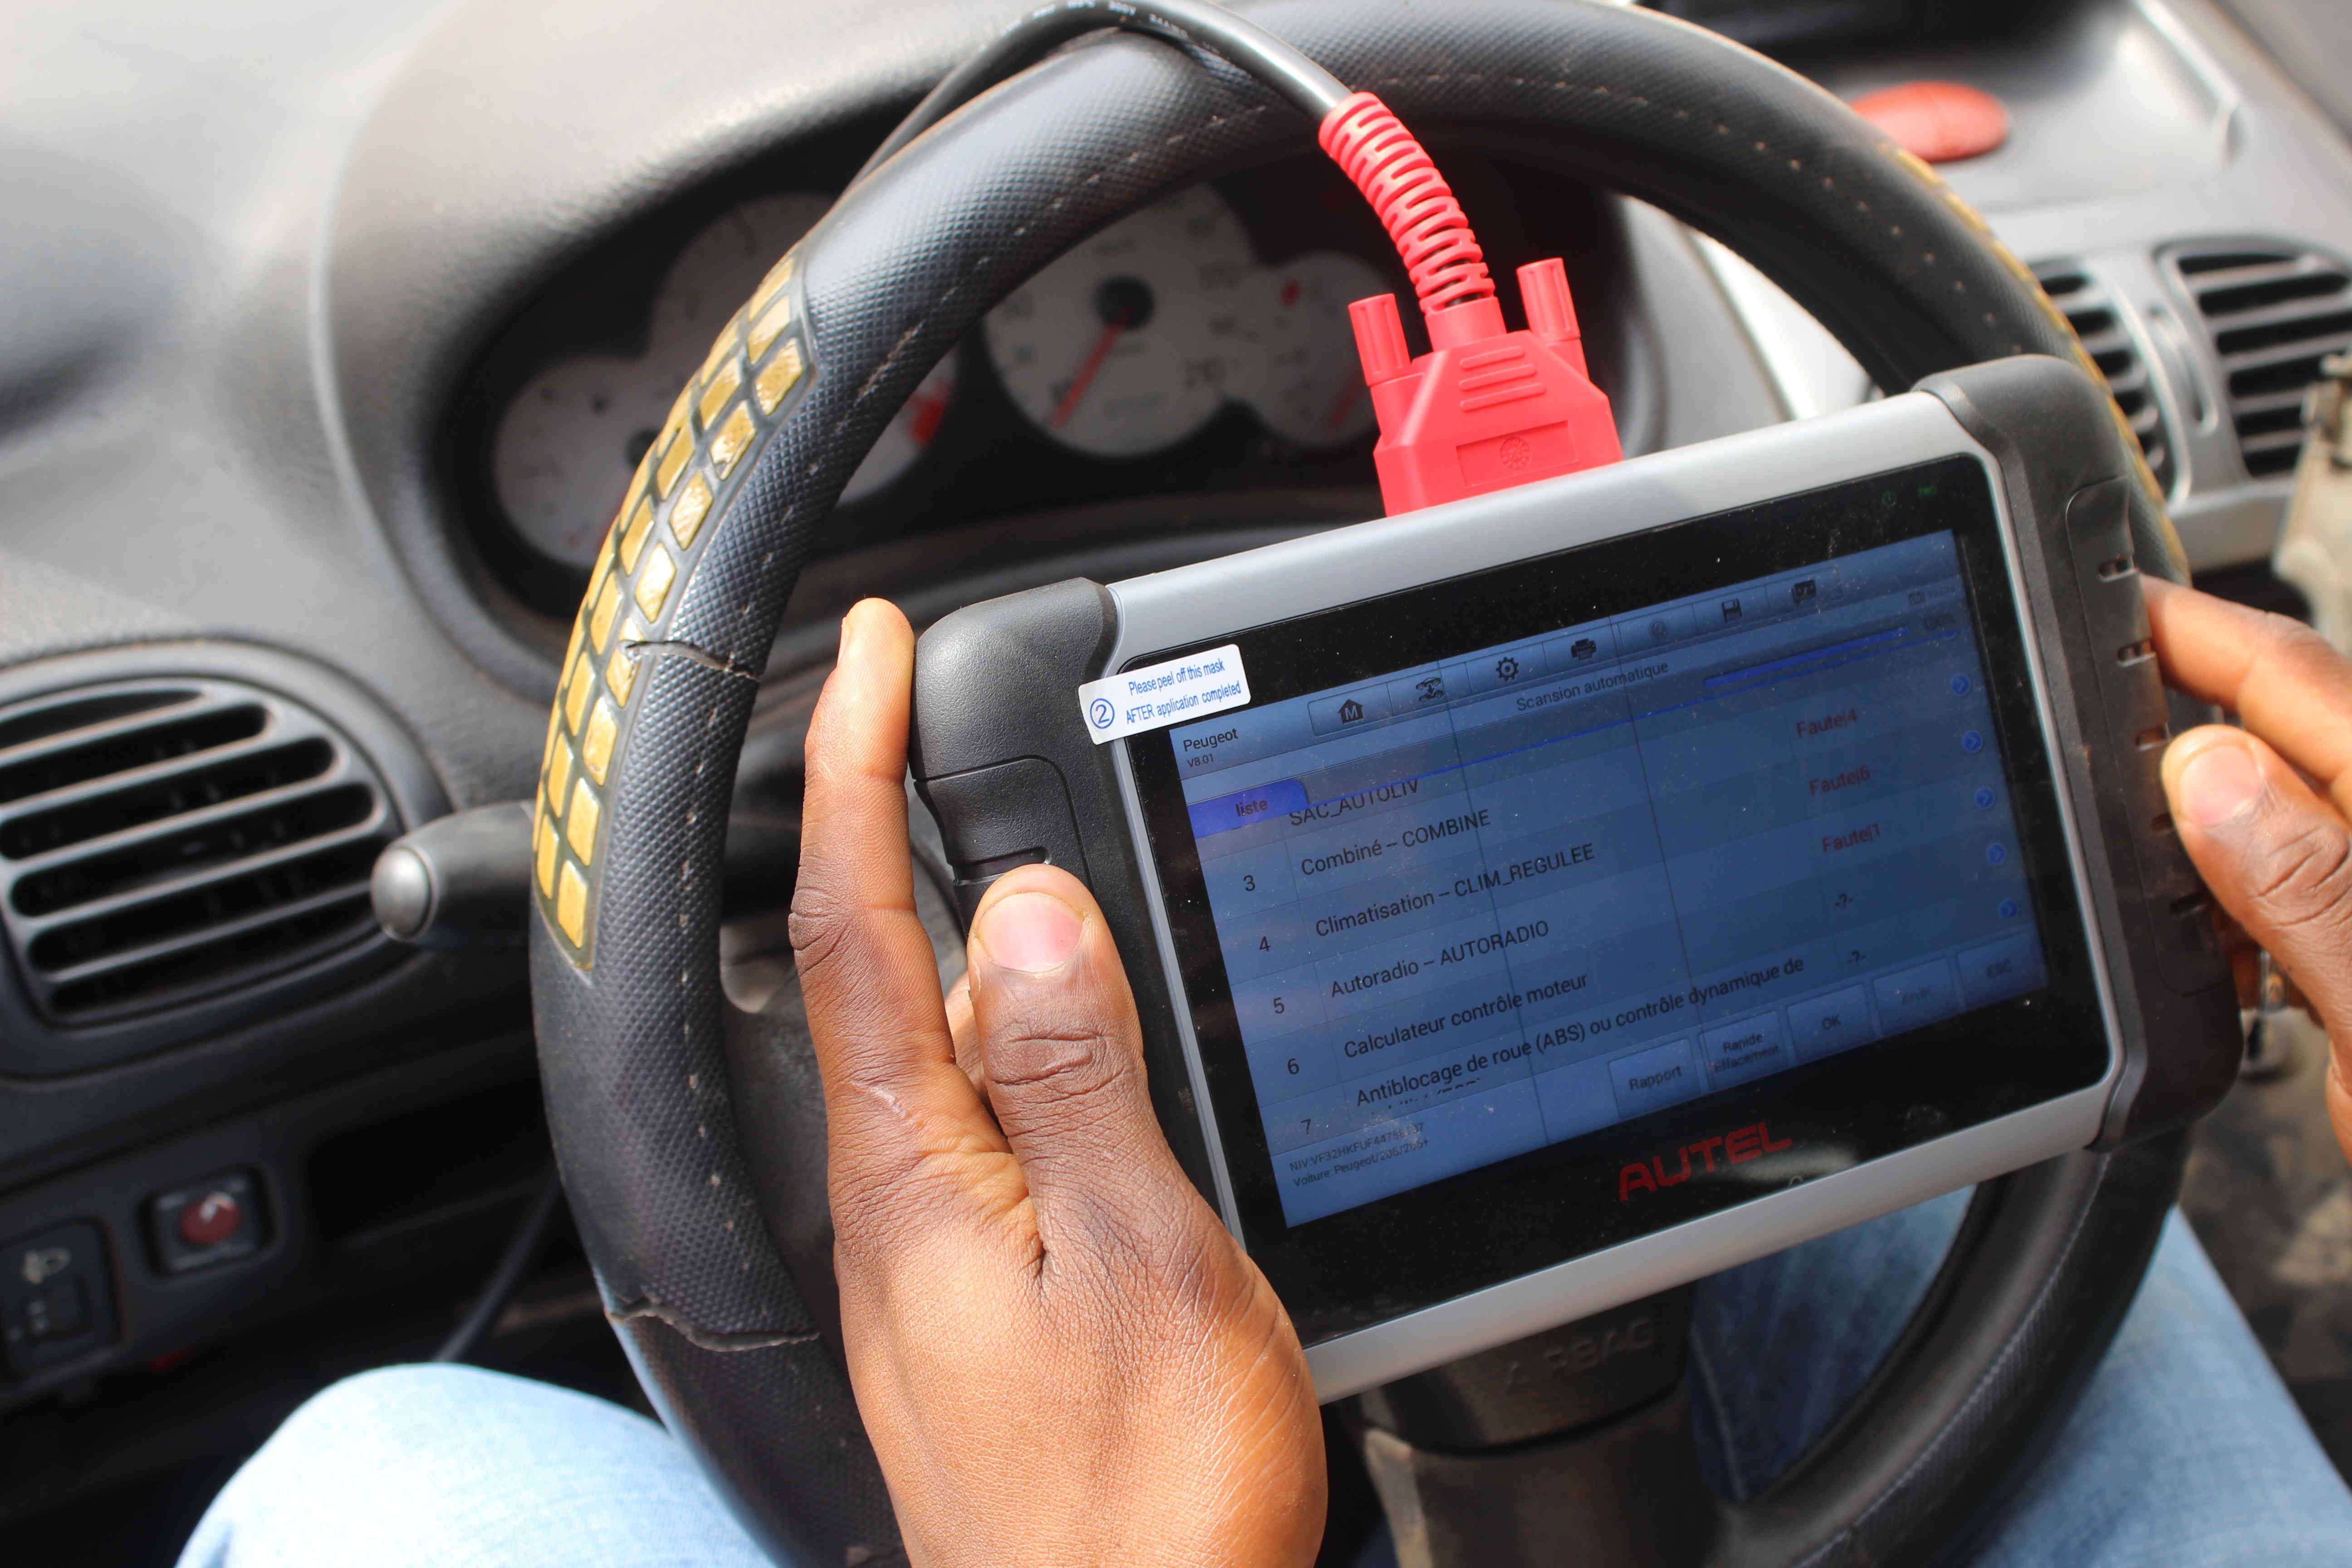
[(1201, 344)]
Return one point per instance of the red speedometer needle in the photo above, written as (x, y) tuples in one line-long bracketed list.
[(1087, 370)]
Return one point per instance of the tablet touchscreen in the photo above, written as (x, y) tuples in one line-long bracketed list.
[(1451, 911)]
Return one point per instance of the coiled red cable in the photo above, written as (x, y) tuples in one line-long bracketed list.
[(1413, 199)]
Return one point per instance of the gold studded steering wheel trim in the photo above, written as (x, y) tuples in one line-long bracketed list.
[(726, 412)]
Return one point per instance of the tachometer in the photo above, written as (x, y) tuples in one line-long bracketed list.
[(1310, 387), (1126, 344), (568, 442)]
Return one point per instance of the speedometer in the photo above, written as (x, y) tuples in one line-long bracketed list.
[(1126, 345), (1132, 343), (568, 440)]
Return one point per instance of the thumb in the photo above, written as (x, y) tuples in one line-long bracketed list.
[(2280, 861), (1063, 1054)]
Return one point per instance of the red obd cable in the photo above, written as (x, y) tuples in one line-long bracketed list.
[(1485, 408), (1375, 151)]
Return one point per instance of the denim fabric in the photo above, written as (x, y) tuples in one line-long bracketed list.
[(2185, 1451), (452, 1466)]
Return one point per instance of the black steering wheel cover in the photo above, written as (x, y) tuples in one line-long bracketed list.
[(1991, 1361), (631, 1021)]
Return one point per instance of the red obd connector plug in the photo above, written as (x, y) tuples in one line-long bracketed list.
[(1485, 408)]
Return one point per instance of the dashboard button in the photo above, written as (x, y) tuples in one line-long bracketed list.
[(55, 1300), (58, 1312), (211, 1220), (206, 1223)]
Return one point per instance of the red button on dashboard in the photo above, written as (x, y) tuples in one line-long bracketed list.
[(1941, 122), (211, 1220)]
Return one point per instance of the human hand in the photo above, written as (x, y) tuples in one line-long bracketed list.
[(2263, 810), (1061, 1355)]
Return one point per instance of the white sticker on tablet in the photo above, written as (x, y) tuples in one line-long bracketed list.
[(1192, 686)]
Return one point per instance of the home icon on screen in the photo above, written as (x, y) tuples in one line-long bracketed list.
[(1350, 710)]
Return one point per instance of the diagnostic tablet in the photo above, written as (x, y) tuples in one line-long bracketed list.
[(1552, 897)]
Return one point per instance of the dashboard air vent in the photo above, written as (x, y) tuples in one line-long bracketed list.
[(2086, 303), (2274, 312), (162, 840)]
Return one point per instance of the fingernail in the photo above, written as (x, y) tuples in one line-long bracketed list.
[(2218, 782), (1033, 933)]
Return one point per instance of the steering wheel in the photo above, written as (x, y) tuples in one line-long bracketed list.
[(691, 1134)]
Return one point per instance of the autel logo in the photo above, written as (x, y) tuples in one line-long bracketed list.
[(1738, 1146)]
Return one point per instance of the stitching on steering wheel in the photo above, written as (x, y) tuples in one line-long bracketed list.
[(2028, 1324)]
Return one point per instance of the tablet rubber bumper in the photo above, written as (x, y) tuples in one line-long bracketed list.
[(2177, 1007), (997, 729), (994, 819)]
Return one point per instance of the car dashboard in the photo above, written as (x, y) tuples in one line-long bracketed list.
[(335, 338)]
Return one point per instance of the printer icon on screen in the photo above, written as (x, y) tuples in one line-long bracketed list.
[(1583, 648)]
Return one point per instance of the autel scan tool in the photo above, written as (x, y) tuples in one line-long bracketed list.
[(1591, 875), (1597, 876), (1567, 892)]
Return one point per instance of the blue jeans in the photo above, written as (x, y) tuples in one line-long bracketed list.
[(2186, 1448)]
